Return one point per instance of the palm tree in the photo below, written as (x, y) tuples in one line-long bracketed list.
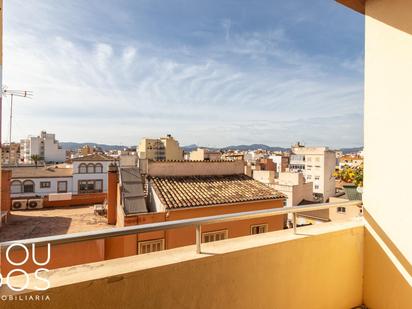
[(36, 159)]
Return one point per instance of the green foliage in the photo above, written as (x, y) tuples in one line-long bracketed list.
[(36, 159), (351, 175)]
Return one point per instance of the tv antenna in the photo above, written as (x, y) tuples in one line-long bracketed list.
[(17, 93)]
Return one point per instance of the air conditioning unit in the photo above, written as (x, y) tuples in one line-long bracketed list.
[(35, 203), (19, 204)]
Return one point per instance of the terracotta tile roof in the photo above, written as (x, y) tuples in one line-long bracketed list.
[(40, 172), (195, 191), (94, 157)]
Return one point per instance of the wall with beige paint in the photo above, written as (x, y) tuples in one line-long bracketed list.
[(388, 109)]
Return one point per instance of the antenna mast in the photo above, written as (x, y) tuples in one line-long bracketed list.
[(17, 93)]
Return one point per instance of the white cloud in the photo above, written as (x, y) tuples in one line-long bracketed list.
[(116, 91)]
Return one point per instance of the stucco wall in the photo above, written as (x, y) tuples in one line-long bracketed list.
[(388, 125), (255, 272), (188, 168)]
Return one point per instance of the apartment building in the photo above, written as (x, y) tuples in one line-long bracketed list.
[(83, 181), (282, 163), (317, 165), (164, 148), (10, 154), (203, 154), (294, 186), (45, 146)]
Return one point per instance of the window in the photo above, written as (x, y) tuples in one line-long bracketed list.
[(82, 168), (317, 177), (316, 186), (98, 168), (90, 168), (341, 210), (258, 229), (150, 246), (214, 236), (90, 186), (28, 186), (62, 186), (45, 184), (309, 177), (15, 187)]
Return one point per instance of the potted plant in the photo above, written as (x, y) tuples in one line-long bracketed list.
[(353, 178)]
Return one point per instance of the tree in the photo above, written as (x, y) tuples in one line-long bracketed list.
[(36, 159)]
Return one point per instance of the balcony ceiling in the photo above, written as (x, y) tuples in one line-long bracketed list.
[(357, 5)]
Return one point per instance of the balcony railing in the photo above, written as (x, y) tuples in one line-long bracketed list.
[(197, 222)]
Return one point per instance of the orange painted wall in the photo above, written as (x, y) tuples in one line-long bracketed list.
[(186, 236), (5, 190), (61, 256), (77, 200), (115, 247)]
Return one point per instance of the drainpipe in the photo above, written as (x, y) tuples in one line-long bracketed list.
[(112, 194)]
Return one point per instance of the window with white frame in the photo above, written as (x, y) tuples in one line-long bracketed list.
[(316, 186), (341, 210), (90, 168), (16, 187), (62, 186), (151, 246), (214, 236), (90, 186), (83, 168), (98, 168), (258, 229), (45, 184), (28, 186)]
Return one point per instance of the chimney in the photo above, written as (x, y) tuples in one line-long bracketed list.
[(112, 194)]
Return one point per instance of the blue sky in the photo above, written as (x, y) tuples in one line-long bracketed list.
[(213, 73)]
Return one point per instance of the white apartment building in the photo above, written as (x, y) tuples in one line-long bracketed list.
[(45, 146), (317, 165), (84, 175)]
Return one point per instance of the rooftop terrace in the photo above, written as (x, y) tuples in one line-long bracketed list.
[(51, 221)]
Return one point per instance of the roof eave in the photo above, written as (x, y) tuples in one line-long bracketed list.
[(356, 5)]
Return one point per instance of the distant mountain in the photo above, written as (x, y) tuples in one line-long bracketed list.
[(104, 147), (253, 147), (237, 147), (188, 148), (351, 150)]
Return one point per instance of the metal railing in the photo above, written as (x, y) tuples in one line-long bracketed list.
[(197, 222)]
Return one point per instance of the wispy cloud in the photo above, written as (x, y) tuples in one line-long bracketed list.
[(255, 85)]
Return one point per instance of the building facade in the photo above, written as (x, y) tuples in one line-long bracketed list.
[(294, 186), (82, 181), (164, 148), (317, 165), (10, 154), (45, 146), (202, 154)]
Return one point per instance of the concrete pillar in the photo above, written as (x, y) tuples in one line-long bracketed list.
[(112, 194)]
